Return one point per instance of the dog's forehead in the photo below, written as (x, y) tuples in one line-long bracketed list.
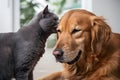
[(74, 20)]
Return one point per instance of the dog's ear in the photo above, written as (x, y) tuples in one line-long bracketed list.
[(100, 33)]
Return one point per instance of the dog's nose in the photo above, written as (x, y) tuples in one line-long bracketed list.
[(58, 53)]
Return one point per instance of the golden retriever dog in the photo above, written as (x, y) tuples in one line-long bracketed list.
[(86, 47)]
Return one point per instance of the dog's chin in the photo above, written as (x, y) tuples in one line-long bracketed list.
[(75, 59)]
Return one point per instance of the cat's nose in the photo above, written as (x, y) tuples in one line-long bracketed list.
[(56, 18)]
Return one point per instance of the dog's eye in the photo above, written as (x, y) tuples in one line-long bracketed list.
[(75, 30), (59, 30)]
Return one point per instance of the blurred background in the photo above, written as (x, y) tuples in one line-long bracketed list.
[(15, 13)]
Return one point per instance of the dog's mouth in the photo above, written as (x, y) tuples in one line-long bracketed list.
[(62, 60), (76, 58)]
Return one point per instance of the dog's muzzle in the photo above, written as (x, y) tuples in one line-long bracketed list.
[(58, 53)]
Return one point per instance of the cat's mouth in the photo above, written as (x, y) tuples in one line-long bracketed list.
[(55, 22), (54, 26)]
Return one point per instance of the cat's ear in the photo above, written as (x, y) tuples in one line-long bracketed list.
[(45, 11)]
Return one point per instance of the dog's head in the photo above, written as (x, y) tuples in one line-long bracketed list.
[(46, 20), (79, 33)]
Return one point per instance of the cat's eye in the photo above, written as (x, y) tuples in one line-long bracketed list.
[(75, 30)]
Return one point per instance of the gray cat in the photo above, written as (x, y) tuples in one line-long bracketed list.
[(20, 51)]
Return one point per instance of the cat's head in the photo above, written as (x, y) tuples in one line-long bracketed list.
[(48, 21)]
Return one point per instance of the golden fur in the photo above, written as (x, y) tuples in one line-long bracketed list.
[(100, 47)]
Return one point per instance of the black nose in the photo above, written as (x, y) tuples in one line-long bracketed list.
[(58, 53)]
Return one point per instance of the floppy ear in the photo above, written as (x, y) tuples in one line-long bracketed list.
[(100, 33)]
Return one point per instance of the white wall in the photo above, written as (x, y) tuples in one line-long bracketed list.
[(5, 16), (86, 4), (16, 15), (110, 10), (9, 15)]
